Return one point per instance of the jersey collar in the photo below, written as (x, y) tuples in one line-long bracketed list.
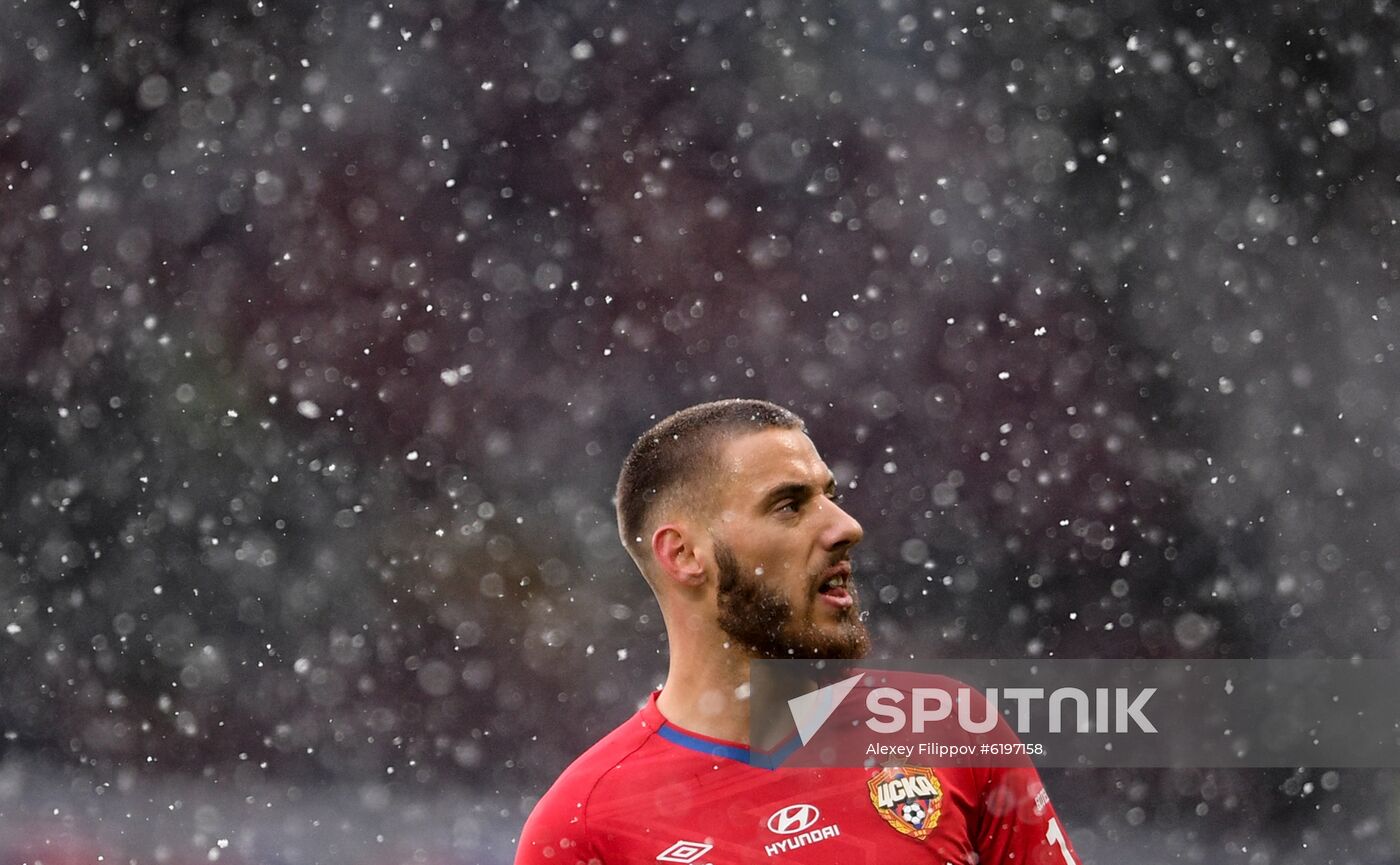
[(712, 747)]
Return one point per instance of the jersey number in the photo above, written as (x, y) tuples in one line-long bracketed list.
[(1055, 835)]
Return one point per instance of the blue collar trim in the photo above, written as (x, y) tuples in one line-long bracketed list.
[(762, 760)]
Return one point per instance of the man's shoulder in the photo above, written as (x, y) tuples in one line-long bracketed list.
[(557, 829), (606, 756)]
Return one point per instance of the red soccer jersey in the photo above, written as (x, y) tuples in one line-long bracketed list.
[(651, 792)]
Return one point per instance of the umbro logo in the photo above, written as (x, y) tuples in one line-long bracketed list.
[(684, 852)]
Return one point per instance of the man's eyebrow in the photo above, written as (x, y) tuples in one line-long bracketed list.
[(797, 490)]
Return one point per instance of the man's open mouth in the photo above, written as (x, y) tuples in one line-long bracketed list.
[(836, 588)]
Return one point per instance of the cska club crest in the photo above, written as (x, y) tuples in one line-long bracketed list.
[(909, 798)]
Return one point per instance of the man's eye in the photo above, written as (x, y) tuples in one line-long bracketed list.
[(791, 506)]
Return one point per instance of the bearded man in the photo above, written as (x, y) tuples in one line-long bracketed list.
[(732, 517)]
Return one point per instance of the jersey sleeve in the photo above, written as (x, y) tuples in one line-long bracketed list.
[(557, 832), (1019, 825)]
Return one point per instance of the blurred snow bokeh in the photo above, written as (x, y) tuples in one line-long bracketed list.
[(324, 328)]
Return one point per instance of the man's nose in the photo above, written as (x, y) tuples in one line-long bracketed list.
[(844, 530)]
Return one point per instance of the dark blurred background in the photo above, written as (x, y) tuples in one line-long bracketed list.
[(324, 329)]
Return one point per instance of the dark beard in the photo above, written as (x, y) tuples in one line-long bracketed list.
[(761, 620)]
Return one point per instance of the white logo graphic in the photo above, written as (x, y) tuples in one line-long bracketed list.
[(793, 819), (810, 711), (684, 852), (795, 823)]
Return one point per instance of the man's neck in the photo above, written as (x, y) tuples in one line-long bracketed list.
[(708, 693)]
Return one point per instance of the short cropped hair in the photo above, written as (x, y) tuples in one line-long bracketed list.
[(678, 449)]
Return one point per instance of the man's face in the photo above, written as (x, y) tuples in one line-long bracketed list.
[(782, 551)]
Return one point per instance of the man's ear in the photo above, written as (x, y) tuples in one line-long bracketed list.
[(673, 547)]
